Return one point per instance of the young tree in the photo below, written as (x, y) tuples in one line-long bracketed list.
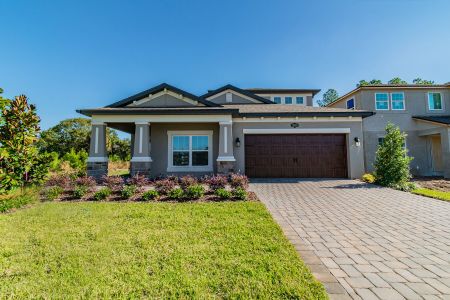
[(423, 81), (397, 80), (20, 160), (392, 160), (328, 97)]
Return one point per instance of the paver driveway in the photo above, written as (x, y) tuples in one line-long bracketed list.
[(364, 241)]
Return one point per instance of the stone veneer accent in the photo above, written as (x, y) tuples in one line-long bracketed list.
[(97, 169), (141, 168), (225, 167)]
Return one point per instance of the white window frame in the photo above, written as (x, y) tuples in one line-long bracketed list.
[(292, 100), (442, 101), (281, 99), (293, 96), (375, 98), (404, 101), (190, 167), (354, 103), (303, 100)]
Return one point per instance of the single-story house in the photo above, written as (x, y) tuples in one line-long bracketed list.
[(258, 132)]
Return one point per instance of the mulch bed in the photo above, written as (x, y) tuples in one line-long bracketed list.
[(434, 183), (116, 197)]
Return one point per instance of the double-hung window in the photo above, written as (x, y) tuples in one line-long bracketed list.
[(435, 101), (299, 100), (277, 100), (382, 101), (190, 151), (351, 103), (287, 100), (398, 101)]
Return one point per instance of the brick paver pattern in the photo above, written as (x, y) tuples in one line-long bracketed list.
[(363, 241)]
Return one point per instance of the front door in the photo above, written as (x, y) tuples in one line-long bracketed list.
[(436, 155)]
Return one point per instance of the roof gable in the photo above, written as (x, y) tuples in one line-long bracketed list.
[(161, 89), (237, 90)]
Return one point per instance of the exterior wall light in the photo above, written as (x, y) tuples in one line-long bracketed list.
[(357, 142), (237, 142)]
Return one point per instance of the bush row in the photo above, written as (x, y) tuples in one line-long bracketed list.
[(173, 188)]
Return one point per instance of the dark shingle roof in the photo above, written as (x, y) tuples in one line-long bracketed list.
[(436, 119), (157, 89), (282, 91), (250, 110), (237, 90)]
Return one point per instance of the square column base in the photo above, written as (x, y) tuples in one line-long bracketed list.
[(97, 169), (140, 167), (225, 167)]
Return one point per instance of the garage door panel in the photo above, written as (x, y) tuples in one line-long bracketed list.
[(296, 155)]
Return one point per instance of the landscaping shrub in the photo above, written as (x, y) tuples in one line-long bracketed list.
[(222, 193), (139, 181), (216, 182), (115, 183), (392, 160), (239, 180), (53, 192), (79, 191), (102, 194), (369, 178), (86, 181), (164, 186), (239, 193), (187, 181), (176, 194), (195, 191), (150, 195), (128, 191), (62, 180)]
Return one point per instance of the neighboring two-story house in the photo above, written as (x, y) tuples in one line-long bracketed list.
[(259, 132), (421, 111)]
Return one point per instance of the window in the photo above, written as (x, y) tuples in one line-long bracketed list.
[(277, 100), (287, 100), (351, 104), (190, 151), (381, 101), (435, 101), (398, 101), (229, 97), (299, 100)]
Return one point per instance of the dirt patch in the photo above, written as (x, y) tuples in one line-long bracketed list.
[(434, 183)]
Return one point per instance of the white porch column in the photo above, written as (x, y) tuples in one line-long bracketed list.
[(97, 162), (141, 159), (225, 160)]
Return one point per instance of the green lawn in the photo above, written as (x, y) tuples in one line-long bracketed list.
[(441, 195), (149, 250)]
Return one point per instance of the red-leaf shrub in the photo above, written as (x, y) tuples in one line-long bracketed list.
[(139, 181), (164, 186), (86, 181), (62, 180), (239, 180), (187, 181), (115, 183), (216, 181)]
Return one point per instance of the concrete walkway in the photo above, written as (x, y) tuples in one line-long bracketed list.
[(362, 241)]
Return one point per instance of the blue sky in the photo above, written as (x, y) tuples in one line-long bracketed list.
[(66, 55)]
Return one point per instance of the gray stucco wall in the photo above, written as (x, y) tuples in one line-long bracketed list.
[(235, 100), (355, 155), (416, 103), (165, 101), (159, 144)]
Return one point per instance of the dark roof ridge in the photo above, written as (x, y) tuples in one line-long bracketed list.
[(156, 89), (237, 90)]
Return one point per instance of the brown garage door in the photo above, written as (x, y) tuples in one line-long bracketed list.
[(296, 155)]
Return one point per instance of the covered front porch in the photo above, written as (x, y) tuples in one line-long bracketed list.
[(167, 144)]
